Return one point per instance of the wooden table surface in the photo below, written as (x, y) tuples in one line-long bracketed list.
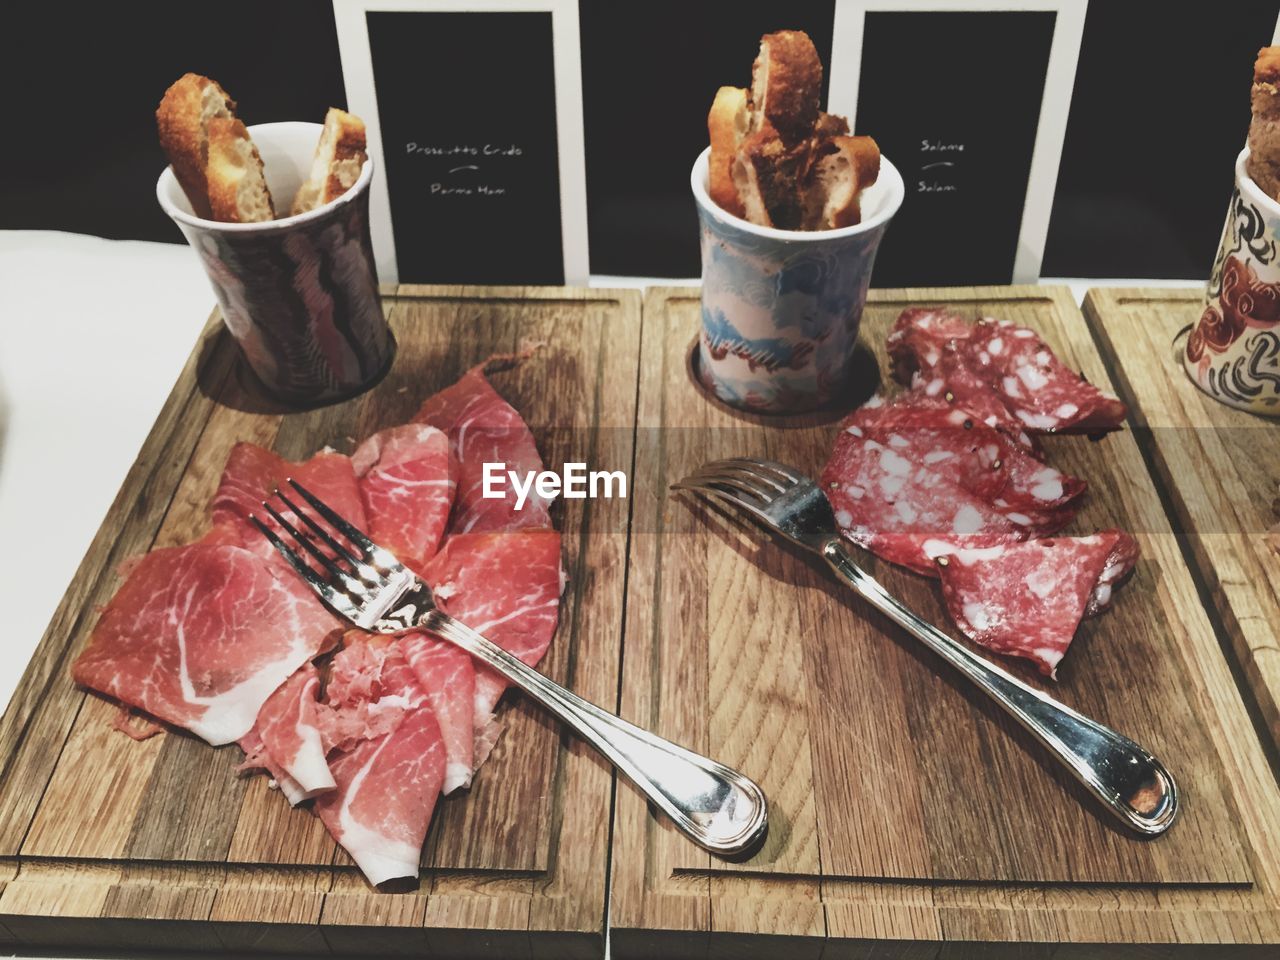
[(907, 813)]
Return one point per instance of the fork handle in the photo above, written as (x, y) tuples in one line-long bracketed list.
[(1132, 783), (717, 807)]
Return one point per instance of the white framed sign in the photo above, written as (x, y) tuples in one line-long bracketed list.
[(473, 110), (970, 100)]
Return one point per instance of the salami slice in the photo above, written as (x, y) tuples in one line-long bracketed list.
[(919, 337), (1040, 390), (892, 506), (1004, 374), (953, 380), (982, 460), (1027, 599)]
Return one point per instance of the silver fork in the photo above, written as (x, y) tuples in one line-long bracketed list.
[(1132, 783), (718, 808)]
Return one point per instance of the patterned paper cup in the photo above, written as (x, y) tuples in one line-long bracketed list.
[(1233, 352), (299, 294), (781, 308)]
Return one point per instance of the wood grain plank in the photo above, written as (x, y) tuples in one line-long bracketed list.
[(1218, 465), (924, 793), (170, 844)]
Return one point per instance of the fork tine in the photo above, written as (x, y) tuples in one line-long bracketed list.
[(770, 483), (295, 561), (328, 538), (777, 474), (728, 484), (780, 470), (342, 601), (372, 552), (725, 489), (718, 495), (764, 490), (353, 585)]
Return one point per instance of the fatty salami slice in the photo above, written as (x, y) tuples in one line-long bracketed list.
[(953, 380), (982, 460), (1040, 390), (1027, 599), (918, 338), (894, 507)]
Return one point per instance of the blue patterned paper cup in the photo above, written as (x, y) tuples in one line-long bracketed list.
[(781, 308), (299, 295)]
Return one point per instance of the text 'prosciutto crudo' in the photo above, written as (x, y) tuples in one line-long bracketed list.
[(576, 482)]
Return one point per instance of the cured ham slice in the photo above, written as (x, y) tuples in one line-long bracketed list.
[(406, 483), (390, 766), (371, 687), (505, 586), (288, 729), (201, 635), (256, 757), (448, 677), (252, 473), (892, 506), (982, 460), (386, 791), (484, 428), (1027, 599)]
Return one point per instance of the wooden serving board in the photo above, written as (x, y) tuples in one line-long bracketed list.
[(1219, 466), (105, 842), (904, 807)]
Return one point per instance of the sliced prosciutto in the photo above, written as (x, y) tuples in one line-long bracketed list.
[(386, 791), (252, 473), (484, 428), (256, 757), (982, 460), (448, 677), (406, 483), (371, 687), (288, 728), (1027, 599), (891, 505), (505, 586), (390, 763), (201, 636)]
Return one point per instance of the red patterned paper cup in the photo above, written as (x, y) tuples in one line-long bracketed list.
[(1233, 351), (300, 294)]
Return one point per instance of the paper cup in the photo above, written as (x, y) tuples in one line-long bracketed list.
[(781, 308), (1233, 351), (299, 295)]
